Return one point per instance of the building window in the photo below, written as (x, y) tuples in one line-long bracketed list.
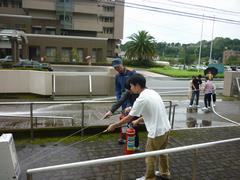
[(51, 51), (96, 54), (107, 30), (80, 54), (51, 31), (108, 8), (107, 19), (36, 30), (66, 54), (4, 4)]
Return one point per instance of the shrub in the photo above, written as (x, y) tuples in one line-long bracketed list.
[(7, 65)]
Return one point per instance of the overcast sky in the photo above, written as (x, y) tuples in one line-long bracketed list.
[(175, 28)]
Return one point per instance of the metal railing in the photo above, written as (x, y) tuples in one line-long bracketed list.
[(194, 147), (171, 107)]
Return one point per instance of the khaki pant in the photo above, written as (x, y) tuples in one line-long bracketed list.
[(154, 144)]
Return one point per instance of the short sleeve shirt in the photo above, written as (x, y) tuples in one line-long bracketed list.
[(149, 104)]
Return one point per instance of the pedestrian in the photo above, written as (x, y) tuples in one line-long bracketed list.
[(127, 96), (150, 106), (120, 81), (208, 90), (199, 80), (195, 91)]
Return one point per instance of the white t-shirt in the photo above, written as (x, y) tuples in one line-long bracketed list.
[(149, 104)]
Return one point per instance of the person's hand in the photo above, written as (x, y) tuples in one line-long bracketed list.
[(127, 110), (111, 127), (135, 122), (107, 115)]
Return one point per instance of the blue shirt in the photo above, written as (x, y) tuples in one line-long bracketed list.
[(120, 80)]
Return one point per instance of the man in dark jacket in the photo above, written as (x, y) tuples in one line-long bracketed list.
[(120, 79)]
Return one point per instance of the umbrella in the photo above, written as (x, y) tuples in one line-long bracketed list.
[(211, 70)]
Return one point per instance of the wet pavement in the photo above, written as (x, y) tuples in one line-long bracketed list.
[(221, 162), (67, 115)]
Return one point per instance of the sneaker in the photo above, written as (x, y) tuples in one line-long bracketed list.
[(214, 105), (137, 149), (157, 173), (141, 178), (164, 177), (204, 108), (198, 106), (190, 106), (121, 141)]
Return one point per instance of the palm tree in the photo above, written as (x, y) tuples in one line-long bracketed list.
[(141, 46)]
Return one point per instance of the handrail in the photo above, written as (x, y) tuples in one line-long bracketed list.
[(125, 158), (58, 102), (82, 102)]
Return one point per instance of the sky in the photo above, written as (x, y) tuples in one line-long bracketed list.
[(174, 28)]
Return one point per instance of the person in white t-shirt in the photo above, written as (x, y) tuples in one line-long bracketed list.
[(150, 106)]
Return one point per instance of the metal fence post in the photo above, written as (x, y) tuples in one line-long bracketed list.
[(53, 86), (194, 165), (31, 121), (170, 110), (82, 132), (173, 116), (29, 176)]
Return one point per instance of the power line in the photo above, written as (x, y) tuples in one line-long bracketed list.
[(181, 13), (196, 7), (173, 12), (206, 7)]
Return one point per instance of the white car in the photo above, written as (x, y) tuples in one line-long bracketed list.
[(6, 59)]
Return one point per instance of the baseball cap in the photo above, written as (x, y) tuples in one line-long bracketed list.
[(116, 62)]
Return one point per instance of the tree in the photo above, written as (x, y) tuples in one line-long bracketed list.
[(141, 46)]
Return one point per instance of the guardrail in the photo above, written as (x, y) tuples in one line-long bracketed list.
[(194, 147), (171, 107)]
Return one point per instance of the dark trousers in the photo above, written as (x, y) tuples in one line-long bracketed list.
[(194, 93), (214, 97), (207, 99)]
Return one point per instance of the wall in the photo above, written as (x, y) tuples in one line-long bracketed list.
[(230, 84), (22, 81), (66, 83)]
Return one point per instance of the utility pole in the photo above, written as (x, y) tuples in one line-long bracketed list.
[(210, 56), (185, 55), (200, 48)]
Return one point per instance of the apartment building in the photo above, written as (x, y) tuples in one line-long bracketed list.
[(63, 30)]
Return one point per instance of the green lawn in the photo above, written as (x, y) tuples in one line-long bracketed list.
[(179, 73)]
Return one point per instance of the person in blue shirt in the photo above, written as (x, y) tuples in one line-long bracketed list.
[(120, 79), (120, 83)]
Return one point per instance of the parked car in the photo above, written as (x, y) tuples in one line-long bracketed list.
[(6, 59), (33, 64), (9, 59), (227, 68)]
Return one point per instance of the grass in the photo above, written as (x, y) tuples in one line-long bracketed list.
[(86, 138), (179, 73)]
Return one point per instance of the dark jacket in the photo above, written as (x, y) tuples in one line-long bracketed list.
[(127, 96), (120, 81)]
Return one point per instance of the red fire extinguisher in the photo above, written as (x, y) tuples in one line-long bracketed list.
[(130, 141)]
